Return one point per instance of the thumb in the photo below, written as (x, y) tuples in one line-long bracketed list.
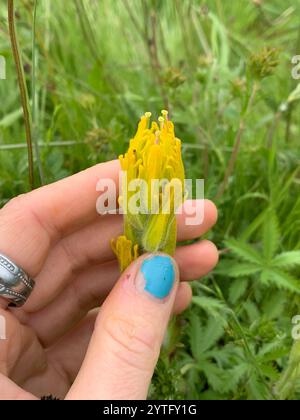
[(129, 332)]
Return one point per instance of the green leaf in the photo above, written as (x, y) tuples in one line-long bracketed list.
[(235, 375), (242, 269), (211, 395), (274, 355), (216, 377), (212, 306), (11, 118), (281, 280), (273, 305), (251, 310), (237, 290), (195, 329), (244, 251), (233, 268), (210, 334), (256, 388), (295, 94), (269, 371), (254, 225), (223, 355), (271, 235), (287, 260)]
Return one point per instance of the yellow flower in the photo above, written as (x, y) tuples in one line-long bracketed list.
[(153, 159), (125, 251)]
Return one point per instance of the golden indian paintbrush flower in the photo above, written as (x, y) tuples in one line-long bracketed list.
[(153, 162)]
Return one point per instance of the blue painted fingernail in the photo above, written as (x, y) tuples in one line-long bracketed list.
[(159, 275)]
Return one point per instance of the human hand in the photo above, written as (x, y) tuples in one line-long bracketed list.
[(59, 342)]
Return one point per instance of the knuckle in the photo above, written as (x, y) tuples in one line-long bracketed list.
[(132, 342), (16, 204), (13, 213), (71, 257), (22, 208), (84, 298)]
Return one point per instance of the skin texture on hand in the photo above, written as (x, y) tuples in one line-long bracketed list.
[(58, 342)]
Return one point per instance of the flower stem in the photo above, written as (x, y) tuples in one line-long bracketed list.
[(34, 101), (289, 377), (22, 88), (237, 144)]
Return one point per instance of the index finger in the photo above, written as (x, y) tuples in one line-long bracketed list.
[(10, 391), (31, 223)]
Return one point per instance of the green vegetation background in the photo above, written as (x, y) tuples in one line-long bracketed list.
[(223, 68)]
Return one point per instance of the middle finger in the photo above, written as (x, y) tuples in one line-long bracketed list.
[(91, 246), (90, 288)]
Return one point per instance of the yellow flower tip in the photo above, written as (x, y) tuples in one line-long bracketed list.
[(148, 114), (154, 126), (161, 121), (165, 114), (113, 246), (125, 251), (157, 136), (135, 252)]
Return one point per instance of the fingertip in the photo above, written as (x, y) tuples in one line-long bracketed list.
[(197, 217), (211, 212), (212, 254), (197, 260), (183, 298)]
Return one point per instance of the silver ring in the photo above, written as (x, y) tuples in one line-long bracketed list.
[(15, 285)]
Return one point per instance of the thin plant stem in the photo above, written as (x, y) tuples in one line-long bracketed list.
[(150, 23), (153, 51), (185, 146), (232, 161), (22, 88), (289, 122), (164, 43), (17, 146), (87, 31), (91, 41), (290, 375), (237, 144), (149, 37), (272, 129), (238, 329), (186, 43), (46, 44), (291, 108), (135, 22), (34, 101)]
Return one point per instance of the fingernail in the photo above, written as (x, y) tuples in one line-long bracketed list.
[(158, 275)]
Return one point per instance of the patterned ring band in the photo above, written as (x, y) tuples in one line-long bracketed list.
[(15, 285)]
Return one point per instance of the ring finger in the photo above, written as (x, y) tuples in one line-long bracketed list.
[(90, 287), (91, 246)]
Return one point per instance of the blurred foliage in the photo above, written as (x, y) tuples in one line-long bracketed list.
[(223, 69)]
